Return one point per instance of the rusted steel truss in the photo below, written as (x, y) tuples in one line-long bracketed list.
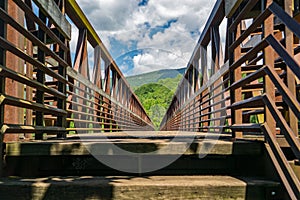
[(252, 87), (43, 91), (256, 91)]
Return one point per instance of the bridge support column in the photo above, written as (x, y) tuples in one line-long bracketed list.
[(3, 5), (269, 61), (107, 103), (14, 115), (236, 95), (289, 40)]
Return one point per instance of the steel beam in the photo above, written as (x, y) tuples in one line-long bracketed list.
[(14, 115), (52, 10)]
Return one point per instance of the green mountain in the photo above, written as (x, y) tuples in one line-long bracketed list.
[(156, 90), (156, 97), (153, 77)]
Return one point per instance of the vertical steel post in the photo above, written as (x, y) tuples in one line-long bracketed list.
[(29, 90), (234, 76), (13, 114), (237, 76), (268, 29), (203, 57), (291, 82), (62, 103), (3, 5), (108, 92), (40, 75), (113, 95), (214, 53), (62, 87)]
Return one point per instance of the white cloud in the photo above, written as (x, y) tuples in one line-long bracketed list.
[(125, 21), (108, 15), (155, 59)]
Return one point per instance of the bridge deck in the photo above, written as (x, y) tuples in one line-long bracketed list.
[(152, 187), (160, 143)]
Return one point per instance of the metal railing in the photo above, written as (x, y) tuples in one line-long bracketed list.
[(256, 91), (253, 87), (44, 91), (202, 98)]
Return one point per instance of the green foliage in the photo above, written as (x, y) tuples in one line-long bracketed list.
[(153, 77), (171, 83), (156, 97)]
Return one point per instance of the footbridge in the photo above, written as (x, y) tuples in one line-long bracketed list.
[(72, 128)]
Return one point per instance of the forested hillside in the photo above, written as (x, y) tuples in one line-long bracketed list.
[(156, 97), (153, 77)]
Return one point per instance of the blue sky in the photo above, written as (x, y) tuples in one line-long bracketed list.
[(148, 35)]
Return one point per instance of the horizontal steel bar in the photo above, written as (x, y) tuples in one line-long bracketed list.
[(41, 24), (291, 63), (32, 38), (286, 173), (288, 96), (245, 10), (13, 101), (290, 136), (78, 77), (257, 22), (14, 50), (6, 72), (81, 21), (287, 20), (223, 70), (12, 128)]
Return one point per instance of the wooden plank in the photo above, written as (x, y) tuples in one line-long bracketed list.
[(50, 8)]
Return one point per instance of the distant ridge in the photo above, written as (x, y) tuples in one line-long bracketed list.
[(153, 77)]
